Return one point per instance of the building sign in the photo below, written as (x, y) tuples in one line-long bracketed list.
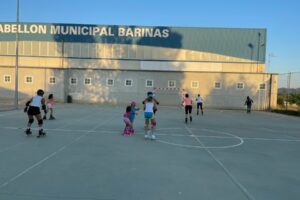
[(77, 30), (231, 42)]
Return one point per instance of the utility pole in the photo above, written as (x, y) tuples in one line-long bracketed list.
[(258, 47), (270, 55), (17, 62)]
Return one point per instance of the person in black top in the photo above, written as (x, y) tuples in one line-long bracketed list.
[(249, 103)]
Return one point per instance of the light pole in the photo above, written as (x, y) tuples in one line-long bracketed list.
[(258, 47), (250, 45), (270, 55), (17, 62)]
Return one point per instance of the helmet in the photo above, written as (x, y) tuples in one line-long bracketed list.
[(150, 94), (40, 92), (133, 103)]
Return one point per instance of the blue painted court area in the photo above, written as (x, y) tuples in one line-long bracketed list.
[(224, 154)]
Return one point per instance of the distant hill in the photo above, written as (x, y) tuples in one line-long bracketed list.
[(291, 90)]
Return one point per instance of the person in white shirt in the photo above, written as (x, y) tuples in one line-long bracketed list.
[(32, 108), (149, 107), (199, 102), (155, 108)]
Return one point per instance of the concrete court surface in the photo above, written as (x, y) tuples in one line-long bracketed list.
[(224, 154)]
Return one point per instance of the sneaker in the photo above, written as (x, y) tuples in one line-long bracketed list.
[(186, 120), (44, 118), (153, 137), (51, 118), (146, 136)]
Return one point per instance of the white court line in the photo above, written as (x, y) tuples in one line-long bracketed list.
[(11, 147), (279, 131), (158, 129), (242, 188), (275, 139), (50, 156), (207, 147), (276, 131), (259, 138), (270, 130), (181, 145), (203, 147), (66, 124), (16, 128), (8, 113), (63, 130), (31, 167), (70, 131)]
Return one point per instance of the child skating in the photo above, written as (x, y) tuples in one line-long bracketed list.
[(249, 103), (148, 114), (199, 102), (32, 108), (128, 130), (155, 107), (188, 102), (133, 113), (50, 106)]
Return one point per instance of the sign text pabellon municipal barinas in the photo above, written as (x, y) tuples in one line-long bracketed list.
[(85, 30)]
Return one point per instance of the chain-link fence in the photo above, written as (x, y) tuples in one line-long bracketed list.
[(289, 91)]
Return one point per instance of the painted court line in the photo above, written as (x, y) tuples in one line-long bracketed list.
[(63, 130), (274, 139), (2, 114), (77, 131), (66, 124), (277, 131), (11, 147), (259, 138), (203, 146), (50, 156), (240, 186), (31, 167)]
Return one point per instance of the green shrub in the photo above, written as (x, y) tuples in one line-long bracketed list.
[(294, 99), (280, 100)]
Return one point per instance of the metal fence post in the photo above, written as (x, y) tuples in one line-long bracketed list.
[(288, 89)]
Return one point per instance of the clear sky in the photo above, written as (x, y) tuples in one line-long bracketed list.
[(280, 18)]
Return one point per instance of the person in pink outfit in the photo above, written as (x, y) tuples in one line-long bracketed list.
[(187, 102), (133, 113), (128, 130), (50, 106)]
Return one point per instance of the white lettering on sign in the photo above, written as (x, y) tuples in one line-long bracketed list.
[(78, 30), (26, 28), (143, 32)]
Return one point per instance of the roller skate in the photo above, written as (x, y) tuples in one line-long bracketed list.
[(152, 135), (28, 131), (147, 133), (41, 133), (152, 131)]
